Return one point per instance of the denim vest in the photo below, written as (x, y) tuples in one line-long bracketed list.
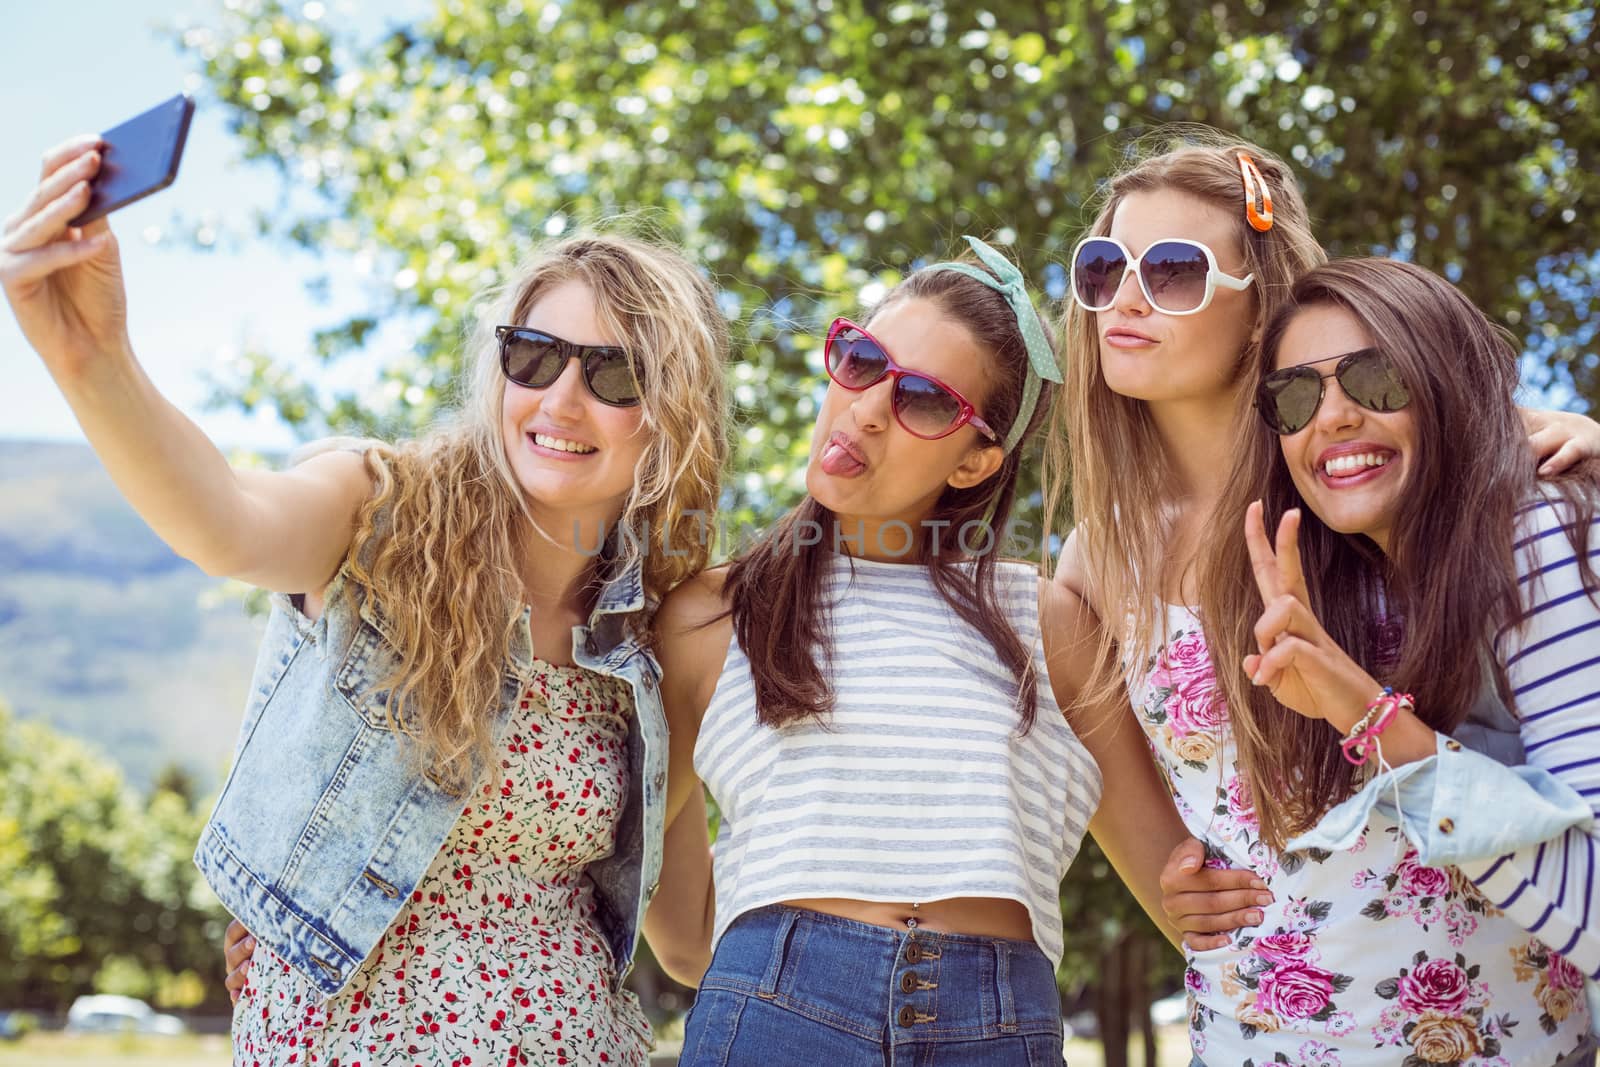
[(325, 826)]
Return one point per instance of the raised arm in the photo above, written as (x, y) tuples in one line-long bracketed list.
[(285, 531)]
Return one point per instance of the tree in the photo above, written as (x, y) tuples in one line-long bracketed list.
[(810, 151), (97, 891)]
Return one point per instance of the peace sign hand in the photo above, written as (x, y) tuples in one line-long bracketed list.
[(1296, 659)]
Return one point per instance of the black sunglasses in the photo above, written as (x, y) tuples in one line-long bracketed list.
[(1288, 399), (535, 359)]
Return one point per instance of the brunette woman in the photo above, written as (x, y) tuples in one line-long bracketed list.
[(886, 715), (1421, 641)]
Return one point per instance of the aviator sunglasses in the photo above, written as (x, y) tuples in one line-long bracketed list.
[(1178, 276), (535, 359), (922, 404), (1288, 399)]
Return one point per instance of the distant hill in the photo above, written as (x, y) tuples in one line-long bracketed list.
[(105, 633)]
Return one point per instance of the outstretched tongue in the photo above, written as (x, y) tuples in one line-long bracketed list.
[(837, 461)]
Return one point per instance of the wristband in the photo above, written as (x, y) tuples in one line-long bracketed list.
[(1362, 740)]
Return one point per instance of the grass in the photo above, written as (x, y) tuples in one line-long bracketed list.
[(212, 1050)]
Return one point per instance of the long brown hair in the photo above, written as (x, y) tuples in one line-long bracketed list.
[(448, 525), (1122, 484), (774, 591), (1450, 575)]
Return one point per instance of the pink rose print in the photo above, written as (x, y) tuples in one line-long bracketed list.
[(1436, 985), (1241, 805), (1425, 881), (1181, 660), (1563, 975), (1287, 947), (1195, 707), (1317, 1054), (1295, 990)]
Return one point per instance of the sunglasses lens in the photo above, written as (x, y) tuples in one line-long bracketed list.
[(1175, 274), (854, 360), (1372, 381), (1097, 272), (924, 407), (1288, 398), (609, 376), (530, 358)]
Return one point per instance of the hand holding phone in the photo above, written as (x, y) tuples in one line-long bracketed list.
[(58, 260), (139, 157)]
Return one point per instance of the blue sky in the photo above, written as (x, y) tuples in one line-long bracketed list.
[(84, 66)]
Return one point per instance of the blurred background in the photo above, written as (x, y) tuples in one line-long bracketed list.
[(357, 171)]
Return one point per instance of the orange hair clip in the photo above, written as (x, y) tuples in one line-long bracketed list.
[(1257, 197)]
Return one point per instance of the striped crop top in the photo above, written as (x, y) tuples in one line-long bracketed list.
[(917, 787)]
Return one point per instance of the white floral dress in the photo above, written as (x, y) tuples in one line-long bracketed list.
[(496, 958), (1365, 957)]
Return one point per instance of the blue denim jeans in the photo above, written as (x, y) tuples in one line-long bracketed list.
[(793, 987)]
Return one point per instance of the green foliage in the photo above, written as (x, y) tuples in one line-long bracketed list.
[(809, 152), (97, 891)]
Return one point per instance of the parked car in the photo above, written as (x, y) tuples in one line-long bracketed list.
[(101, 1013), (1170, 1011)]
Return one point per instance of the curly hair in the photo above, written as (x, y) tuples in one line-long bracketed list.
[(438, 544)]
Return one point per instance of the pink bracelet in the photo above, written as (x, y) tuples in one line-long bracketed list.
[(1362, 740)]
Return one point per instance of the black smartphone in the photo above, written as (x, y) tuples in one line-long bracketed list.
[(140, 157)]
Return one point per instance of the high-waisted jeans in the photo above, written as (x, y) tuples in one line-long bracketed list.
[(790, 986)]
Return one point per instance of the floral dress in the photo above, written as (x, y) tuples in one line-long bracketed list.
[(1365, 957), (496, 958)]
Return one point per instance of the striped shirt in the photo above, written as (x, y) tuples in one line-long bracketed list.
[(1553, 666), (917, 786)]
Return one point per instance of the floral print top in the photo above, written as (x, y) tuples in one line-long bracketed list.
[(496, 959), (1365, 958)]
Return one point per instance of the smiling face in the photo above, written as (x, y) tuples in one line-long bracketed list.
[(571, 454), (864, 465), (1350, 464), (1155, 357)]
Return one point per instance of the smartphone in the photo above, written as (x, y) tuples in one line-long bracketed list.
[(140, 157)]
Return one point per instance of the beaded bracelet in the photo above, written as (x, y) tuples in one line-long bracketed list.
[(1362, 740)]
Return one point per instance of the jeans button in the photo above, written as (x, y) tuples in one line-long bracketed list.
[(908, 982), (913, 952), (908, 1015)]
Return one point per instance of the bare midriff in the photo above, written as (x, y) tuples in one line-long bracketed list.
[(979, 916)]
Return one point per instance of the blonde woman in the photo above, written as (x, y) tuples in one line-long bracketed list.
[(443, 823)]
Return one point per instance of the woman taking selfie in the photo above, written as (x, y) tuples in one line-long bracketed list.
[(444, 818)]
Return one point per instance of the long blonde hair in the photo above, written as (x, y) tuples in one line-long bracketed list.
[(1121, 482), (447, 525)]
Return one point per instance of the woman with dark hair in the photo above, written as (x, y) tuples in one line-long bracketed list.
[(886, 715), (1417, 654)]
